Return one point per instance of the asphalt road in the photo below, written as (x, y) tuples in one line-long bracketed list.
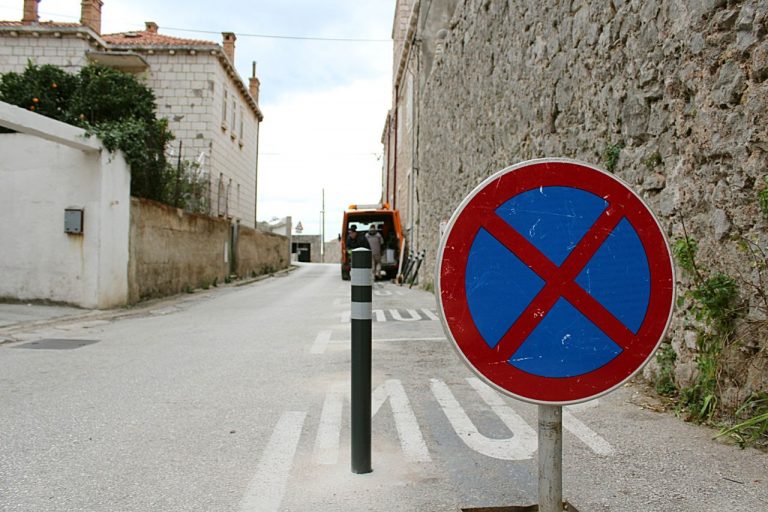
[(236, 399)]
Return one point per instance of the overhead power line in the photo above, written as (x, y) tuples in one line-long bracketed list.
[(262, 36), (276, 36)]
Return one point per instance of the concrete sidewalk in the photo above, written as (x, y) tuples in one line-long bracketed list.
[(19, 314), (19, 319), (22, 321)]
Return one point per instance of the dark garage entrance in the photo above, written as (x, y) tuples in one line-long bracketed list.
[(303, 251)]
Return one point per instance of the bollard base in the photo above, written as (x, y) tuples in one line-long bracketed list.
[(567, 507)]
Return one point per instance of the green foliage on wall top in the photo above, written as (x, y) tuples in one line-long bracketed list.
[(110, 104)]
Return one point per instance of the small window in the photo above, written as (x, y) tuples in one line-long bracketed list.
[(224, 109), (234, 112), (242, 122)]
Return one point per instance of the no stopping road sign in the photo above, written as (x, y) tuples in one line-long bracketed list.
[(555, 282)]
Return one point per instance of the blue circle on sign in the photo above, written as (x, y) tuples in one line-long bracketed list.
[(499, 286)]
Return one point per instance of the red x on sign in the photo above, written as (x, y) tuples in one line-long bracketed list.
[(554, 281)]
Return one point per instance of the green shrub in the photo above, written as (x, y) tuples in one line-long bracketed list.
[(107, 103), (47, 90)]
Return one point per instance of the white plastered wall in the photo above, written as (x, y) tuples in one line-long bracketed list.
[(42, 173)]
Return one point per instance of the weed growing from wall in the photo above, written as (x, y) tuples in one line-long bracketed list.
[(714, 303), (665, 379), (611, 156)]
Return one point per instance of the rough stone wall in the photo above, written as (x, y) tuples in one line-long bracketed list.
[(259, 252), (172, 251), (671, 95)]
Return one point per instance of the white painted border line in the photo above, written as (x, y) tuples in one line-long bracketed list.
[(266, 489), (321, 342)]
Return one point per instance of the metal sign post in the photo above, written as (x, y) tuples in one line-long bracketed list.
[(361, 315), (550, 458)]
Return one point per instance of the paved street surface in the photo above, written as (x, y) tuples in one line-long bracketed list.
[(236, 399)]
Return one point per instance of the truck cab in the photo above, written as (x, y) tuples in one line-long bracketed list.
[(386, 222)]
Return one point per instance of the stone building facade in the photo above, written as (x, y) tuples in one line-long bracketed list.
[(213, 114), (670, 95), (418, 35)]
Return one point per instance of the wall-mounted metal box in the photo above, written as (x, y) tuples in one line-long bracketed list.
[(73, 221)]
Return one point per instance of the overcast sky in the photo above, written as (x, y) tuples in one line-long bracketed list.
[(324, 102)]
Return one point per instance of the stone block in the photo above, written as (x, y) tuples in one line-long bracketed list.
[(634, 116), (759, 71), (721, 224), (729, 85), (685, 373)]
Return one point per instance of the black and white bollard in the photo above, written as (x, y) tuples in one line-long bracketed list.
[(362, 295)]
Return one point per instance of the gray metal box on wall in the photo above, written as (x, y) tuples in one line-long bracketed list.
[(73, 221)]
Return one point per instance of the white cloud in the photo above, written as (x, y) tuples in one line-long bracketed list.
[(328, 139)]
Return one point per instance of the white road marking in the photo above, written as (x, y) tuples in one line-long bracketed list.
[(321, 342), (408, 430), (266, 489), (337, 345), (413, 315), (521, 446), (329, 431), (528, 437), (382, 293), (429, 314), (583, 406), (412, 442), (587, 436)]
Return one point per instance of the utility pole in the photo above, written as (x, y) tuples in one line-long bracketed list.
[(322, 229)]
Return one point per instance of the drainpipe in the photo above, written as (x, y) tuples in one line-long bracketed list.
[(394, 162), (413, 207), (389, 156), (253, 89)]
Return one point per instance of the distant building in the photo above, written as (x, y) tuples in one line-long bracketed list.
[(213, 114), (306, 248)]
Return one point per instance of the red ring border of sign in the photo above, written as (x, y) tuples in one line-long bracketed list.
[(454, 250)]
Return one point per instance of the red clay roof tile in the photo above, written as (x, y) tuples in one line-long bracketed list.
[(145, 38)]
